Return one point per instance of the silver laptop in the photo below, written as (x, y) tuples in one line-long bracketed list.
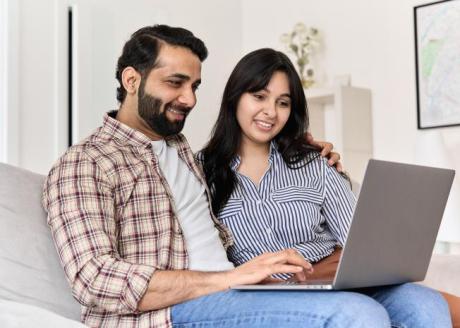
[(393, 231)]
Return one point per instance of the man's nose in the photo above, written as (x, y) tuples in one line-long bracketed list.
[(187, 98)]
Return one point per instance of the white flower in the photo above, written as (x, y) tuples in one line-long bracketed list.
[(302, 42), (285, 38), (314, 31), (300, 28)]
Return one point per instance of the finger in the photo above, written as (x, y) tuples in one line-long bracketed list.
[(285, 268), (333, 158), (267, 259), (289, 256), (273, 258), (304, 275), (339, 167), (326, 148), (292, 256), (300, 276), (271, 280), (310, 270)]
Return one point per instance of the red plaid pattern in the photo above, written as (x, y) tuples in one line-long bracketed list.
[(113, 221)]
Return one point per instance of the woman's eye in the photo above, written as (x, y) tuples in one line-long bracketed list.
[(284, 103), (258, 96)]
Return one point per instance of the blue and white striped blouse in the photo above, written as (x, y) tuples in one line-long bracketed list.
[(308, 209)]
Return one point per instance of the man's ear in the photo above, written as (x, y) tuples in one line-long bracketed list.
[(131, 80)]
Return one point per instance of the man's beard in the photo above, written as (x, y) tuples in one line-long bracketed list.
[(149, 108)]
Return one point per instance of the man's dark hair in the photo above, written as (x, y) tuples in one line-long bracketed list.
[(141, 50)]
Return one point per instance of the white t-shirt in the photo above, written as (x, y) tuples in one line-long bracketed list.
[(204, 247)]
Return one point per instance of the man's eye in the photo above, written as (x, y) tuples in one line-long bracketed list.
[(174, 83)]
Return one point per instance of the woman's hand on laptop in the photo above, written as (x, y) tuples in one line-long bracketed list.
[(261, 268)]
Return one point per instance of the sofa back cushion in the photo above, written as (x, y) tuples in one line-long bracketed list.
[(30, 271)]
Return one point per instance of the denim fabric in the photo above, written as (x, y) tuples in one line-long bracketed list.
[(401, 306)]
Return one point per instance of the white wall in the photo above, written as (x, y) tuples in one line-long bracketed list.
[(369, 39), (373, 41), (103, 27), (218, 23), (358, 40), (36, 79)]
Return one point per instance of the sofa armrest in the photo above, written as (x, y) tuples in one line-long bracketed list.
[(443, 273)]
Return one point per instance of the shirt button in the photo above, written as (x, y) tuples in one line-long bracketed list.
[(268, 231), (258, 202)]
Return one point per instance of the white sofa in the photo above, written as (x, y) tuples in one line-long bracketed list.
[(33, 289)]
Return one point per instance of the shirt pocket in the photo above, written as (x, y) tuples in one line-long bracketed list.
[(298, 194), (231, 216), (232, 209)]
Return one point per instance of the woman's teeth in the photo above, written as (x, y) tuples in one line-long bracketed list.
[(264, 124)]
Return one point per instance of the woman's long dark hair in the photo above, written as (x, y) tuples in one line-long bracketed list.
[(253, 73)]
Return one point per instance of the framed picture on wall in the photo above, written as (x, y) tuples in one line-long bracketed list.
[(437, 56)]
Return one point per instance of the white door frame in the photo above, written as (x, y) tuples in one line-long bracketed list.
[(2, 80), (9, 106)]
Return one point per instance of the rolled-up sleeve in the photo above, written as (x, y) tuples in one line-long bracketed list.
[(79, 198)]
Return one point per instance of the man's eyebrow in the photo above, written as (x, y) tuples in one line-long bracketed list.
[(180, 76), (185, 77)]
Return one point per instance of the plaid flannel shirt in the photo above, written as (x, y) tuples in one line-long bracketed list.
[(113, 222)]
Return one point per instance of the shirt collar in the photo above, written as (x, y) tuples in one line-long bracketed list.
[(126, 135), (236, 161), (273, 151)]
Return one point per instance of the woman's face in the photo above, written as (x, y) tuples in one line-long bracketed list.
[(263, 114)]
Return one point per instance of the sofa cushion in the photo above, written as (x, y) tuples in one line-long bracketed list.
[(30, 271), (20, 315)]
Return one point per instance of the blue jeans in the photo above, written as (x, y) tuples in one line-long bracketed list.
[(407, 305)]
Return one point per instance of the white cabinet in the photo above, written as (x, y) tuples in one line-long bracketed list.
[(343, 115)]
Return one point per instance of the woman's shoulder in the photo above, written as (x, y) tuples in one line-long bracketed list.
[(310, 161), (330, 173), (315, 166)]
